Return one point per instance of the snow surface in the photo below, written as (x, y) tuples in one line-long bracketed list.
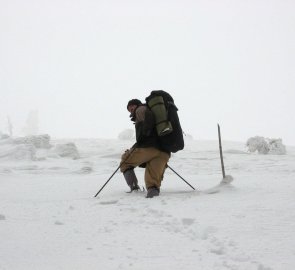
[(49, 218)]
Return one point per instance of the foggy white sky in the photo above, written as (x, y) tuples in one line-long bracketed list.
[(78, 62)]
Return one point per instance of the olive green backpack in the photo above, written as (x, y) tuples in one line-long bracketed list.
[(167, 121)]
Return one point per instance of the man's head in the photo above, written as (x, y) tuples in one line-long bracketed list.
[(133, 104)]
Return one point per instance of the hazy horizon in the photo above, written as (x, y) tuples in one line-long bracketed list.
[(79, 62)]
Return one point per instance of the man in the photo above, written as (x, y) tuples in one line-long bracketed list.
[(146, 152)]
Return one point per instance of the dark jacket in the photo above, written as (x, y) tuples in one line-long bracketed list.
[(146, 134), (145, 129)]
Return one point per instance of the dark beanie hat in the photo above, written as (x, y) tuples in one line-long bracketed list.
[(134, 102)]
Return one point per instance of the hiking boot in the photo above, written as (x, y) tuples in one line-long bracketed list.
[(131, 179), (152, 191)]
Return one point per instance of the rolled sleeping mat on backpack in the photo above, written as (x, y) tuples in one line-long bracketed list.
[(157, 106)]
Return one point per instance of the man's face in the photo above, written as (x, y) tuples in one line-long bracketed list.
[(131, 108)]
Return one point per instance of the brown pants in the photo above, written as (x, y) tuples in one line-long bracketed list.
[(154, 159)]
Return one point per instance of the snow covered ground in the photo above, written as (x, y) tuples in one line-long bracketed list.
[(49, 218)]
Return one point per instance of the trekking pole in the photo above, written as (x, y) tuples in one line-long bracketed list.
[(181, 177), (220, 152), (132, 149), (107, 181)]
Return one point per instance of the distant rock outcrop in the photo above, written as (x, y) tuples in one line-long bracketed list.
[(127, 134), (67, 150), (3, 136), (188, 137), (266, 146), (17, 152), (38, 141), (35, 148)]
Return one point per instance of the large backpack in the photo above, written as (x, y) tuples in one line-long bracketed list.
[(167, 122)]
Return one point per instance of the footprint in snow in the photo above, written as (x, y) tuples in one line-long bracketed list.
[(2, 217), (218, 250), (155, 213), (58, 223), (188, 221), (108, 202), (85, 170)]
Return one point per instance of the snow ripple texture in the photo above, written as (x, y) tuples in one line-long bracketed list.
[(49, 218)]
